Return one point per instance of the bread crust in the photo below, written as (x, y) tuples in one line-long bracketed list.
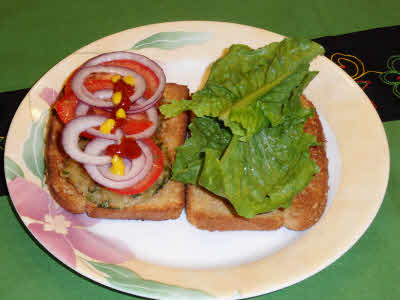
[(62, 191), (309, 205), (208, 211), (169, 201)]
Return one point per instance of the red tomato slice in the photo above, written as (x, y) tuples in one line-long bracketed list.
[(67, 87), (96, 83), (65, 108), (67, 105), (148, 75), (153, 175), (100, 112), (132, 126)]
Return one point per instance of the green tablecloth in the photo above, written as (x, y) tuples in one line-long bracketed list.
[(368, 271), (36, 35)]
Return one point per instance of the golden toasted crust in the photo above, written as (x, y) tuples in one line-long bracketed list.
[(308, 206), (208, 211), (168, 203), (62, 191)]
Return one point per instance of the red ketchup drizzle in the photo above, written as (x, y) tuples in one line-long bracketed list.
[(126, 91), (127, 149)]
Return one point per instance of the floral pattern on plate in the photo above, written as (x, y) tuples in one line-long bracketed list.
[(60, 231)]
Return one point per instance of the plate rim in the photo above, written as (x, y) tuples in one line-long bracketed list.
[(326, 61)]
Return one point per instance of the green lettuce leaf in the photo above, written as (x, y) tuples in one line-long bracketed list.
[(247, 143), (265, 172), (247, 89), (206, 134), (256, 176)]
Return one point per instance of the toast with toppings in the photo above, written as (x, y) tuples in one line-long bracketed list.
[(208, 211), (74, 190)]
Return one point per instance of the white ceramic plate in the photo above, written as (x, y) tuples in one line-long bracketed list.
[(172, 259)]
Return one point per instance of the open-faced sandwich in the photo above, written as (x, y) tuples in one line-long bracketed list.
[(255, 158), (108, 151)]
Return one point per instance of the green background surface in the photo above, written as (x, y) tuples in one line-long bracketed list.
[(35, 35)]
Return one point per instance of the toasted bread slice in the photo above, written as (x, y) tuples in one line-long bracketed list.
[(166, 202), (208, 211)]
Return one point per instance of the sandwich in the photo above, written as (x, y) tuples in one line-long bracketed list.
[(80, 177), (256, 157), (208, 211)]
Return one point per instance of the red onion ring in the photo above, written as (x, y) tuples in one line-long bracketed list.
[(97, 146), (152, 114), (104, 94), (121, 55), (82, 109), (87, 97), (70, 139), (136, 166), (143, 107), (127, 166), (108, 136), (130, 111)]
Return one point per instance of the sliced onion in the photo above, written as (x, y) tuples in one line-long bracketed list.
[(127, 164), (104, 94), (82, 109), (78, 87), (120, 55), (152, 114), (97, 146), (145, 105), (105, 169), (136, 166), (70, 139), (108, 136)]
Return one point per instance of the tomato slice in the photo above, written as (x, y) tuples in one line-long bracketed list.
[(65, 108), (148, 75), (97, 82), (151, 177), (133, 126)]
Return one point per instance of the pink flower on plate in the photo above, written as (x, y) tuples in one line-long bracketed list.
[(49, 95), (61, 232)]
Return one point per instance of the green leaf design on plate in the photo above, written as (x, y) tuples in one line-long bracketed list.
[(127, 280), (12, 169), (33, 154), (172, 40)]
